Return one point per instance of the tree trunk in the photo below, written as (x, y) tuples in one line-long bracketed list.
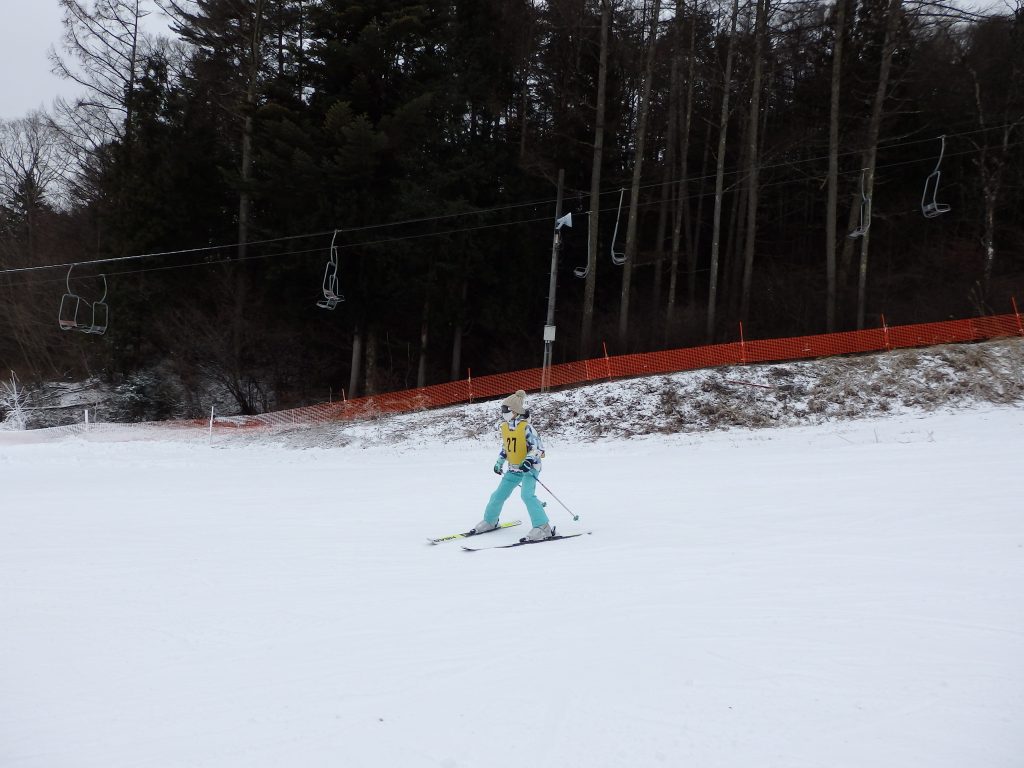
[(874, 127), (682, 212), (457, 331), (666, 211), (239, 283), (634, 194), (129, 96), (370, 385), (732, 246), (421, 371), (691, 260), (843, 292), (831, 211), (753, 159), (248, 127), (991, 170), (666, 183), (456, 371), (723, 129), (988, 240), (244, 197), (590, 288), (357, 362), (526, 52)]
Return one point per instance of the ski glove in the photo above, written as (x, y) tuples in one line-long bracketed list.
[(498, 465), (527, 464)]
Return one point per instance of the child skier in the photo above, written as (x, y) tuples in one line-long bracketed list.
[(522, 448)]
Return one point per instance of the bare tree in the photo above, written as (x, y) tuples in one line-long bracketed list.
[(459, 323), (33, 168), (254, 59), (355, 373), (753, 160), (13, 405), (833, 166), (33, 165), (590, 288), (892, 25), (668, 182), (723, 130), (235, 34), (103, 52), (421, 370), (670, 191), (682, 212), (995, 71), (638, 161), (232, 357)]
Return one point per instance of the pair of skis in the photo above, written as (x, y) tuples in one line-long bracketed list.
[(510, 524)]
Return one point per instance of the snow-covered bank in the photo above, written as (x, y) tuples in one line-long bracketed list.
[(845, 594), (782, 394)]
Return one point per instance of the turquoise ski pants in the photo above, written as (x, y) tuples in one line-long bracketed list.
[(509, 482)]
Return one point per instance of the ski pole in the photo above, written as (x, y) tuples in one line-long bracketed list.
[(574, 515)]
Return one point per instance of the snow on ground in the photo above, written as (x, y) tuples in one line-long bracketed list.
[(844, 594)]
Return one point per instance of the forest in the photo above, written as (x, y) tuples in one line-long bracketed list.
[(292, 199)]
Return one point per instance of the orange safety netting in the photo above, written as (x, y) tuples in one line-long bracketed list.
[(623, 366)]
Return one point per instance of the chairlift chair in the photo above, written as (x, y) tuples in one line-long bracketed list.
[(100, 313), (67, 315), (865, 211), (74, 312), (100, 316), (331, 293), (618, 257), (930, 206), (332, 297), (582, 272)]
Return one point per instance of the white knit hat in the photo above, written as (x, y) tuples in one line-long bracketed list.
[(516, 402)]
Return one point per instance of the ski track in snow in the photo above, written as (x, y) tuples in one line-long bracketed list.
[(840, 595)]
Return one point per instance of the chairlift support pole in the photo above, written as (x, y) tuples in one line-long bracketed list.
[(549, 327)]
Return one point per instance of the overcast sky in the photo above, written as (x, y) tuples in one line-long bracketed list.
[(27, 30)]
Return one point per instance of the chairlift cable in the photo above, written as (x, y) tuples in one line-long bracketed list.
[(380, 241), (400, 238)]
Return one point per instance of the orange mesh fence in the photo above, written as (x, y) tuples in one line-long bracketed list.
[(623, 366)]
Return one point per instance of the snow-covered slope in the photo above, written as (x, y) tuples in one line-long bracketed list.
[(844, 593)]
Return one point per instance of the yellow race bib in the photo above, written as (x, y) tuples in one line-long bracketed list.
[(513, 440)]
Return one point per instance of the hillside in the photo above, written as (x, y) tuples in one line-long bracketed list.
[(790, 394), (756, 396)]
